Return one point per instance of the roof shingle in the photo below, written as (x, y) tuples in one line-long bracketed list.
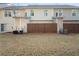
[(40, 6)]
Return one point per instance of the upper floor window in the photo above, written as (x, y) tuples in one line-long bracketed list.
[(59, 13), (26, 14), (7, 14), (45, 12), (32, 13), (74, 12), (14, 12), (56, 14)]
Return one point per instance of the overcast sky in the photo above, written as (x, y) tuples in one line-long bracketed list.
[(22, 2), (77, 4), (39, 1)]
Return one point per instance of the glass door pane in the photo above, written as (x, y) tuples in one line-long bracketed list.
[(2, 27)]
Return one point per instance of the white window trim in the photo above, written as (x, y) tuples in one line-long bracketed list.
[(7, 12), (45, 12), (74, 10), (58, 11), (14, 12), (4, 27), (25, 13), (32, 11)]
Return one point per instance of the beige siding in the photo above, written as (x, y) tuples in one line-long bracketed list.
[(67, 14), (1, 13), (9, 23), (12, 23), (42, 21), (20, 12), (39, 14)]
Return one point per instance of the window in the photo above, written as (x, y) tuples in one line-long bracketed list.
[(7, 14), (59, 13), (32, 13), (73, 12), (56, 14), (2, 27), (14, 12), (26, 14), (45, 12)]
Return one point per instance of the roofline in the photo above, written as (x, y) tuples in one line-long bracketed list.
[(39, 6)]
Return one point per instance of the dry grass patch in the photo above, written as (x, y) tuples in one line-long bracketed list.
[(39, 44)]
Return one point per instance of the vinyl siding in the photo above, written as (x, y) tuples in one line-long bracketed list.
[(1, 13), (67, 14), (39, 14)]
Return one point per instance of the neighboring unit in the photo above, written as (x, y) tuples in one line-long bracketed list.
[(40, 18)]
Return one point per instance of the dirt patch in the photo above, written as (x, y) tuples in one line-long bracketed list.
[(39, 44)]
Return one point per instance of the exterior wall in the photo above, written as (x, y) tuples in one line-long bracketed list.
[(17, 22), (59, 25), (20, 12), (8, 21), (11, 23), (39, 14), (42, 21), (1, 13), (21, 24), (67, 14)]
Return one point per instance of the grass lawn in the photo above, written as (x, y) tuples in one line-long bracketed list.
[(39, 45)]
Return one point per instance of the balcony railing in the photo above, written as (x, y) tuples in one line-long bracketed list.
[(17, 15), (59, 17), (21, 16), (27, 17)]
